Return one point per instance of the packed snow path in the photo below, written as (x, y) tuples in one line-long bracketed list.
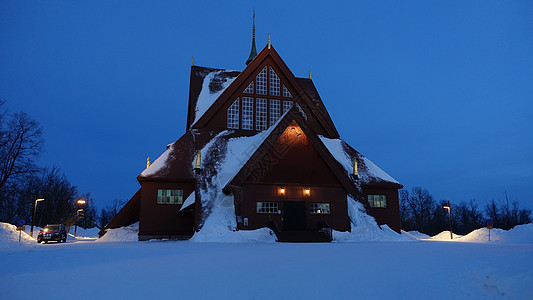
[(181, 269)]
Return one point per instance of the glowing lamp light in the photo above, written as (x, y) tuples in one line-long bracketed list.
[(81, 202), (282, 191), (198, 160), (307, 192)]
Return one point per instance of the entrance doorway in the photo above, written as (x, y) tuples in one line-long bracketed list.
[(294, 215)]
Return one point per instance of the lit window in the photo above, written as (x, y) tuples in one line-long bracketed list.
[(247, 112), (275, 111), (319, 208), (286, 92), (262, 82), (233, 115), (287, 105), (165, 196), (274, 83), (267, 207), (261, 114), (377, 201), (250, 88)]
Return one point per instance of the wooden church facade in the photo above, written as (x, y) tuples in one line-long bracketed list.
[(263, 139)]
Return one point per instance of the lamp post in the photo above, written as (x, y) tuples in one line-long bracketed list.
[(449, 217), (78, 203), (33, 217)]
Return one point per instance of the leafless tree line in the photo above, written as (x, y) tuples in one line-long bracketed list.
[(420, 212)]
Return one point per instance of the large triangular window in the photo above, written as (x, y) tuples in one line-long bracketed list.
[(254, 110), (274, 83), (261, 80), (250, 88)]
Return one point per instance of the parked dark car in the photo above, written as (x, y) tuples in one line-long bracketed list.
[(52, 233)]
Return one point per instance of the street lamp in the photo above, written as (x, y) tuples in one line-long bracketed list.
[(76, 226), (447, 206), (79, 203), (33, 217)]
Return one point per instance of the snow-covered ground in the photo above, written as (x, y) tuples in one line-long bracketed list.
[(119, 267)]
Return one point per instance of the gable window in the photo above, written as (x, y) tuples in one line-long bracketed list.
[(261, 114), (319, 208), (261, 80), (286, 92), (287, 105), (275, 111), (233, 115), (274, 83), (267, 207), (247, 112), (377, 201), (167, 196), (250, 88)]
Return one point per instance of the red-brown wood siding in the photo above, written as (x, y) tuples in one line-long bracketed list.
[(298, 165), (164, 219), (336, 196), (389, 215)]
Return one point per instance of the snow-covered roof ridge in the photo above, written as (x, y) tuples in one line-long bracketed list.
[(159, 164), (368, 171), (214, 84)]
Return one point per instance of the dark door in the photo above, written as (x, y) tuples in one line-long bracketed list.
[(294, 215)]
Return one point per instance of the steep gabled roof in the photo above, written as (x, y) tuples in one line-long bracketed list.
[(206, 85), (369, 173), (175, 163), (293, 115), (268, 54)]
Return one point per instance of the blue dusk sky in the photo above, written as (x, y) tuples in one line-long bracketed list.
[(439, 94)]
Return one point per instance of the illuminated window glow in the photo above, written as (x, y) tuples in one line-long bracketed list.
[(267, 207), (319, 208), (166, 196), (377, 201)]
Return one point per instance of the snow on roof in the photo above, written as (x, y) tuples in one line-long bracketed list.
[(210, 92), (159, 164), (367, 172)]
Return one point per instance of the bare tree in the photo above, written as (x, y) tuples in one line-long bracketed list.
[(20, 143)]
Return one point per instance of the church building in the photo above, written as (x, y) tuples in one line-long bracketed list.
[(261, 148)]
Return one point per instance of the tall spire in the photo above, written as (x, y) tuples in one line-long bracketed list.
[(253, 52)]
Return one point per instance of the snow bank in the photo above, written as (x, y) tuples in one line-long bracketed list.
[(415, 235), (84, 233), (521, 234), (365, 229), (122, 234), (9, 237), (444, 236)]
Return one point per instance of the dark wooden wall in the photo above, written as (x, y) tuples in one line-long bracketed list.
[(389, 215), (164, 219)]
